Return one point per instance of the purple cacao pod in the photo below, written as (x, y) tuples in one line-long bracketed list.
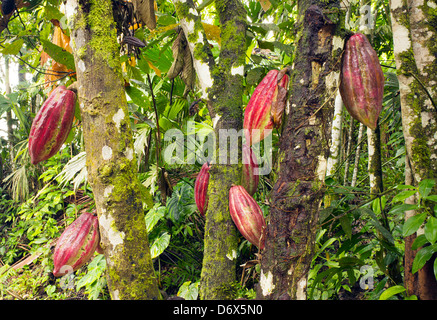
[(249, 175), (361, 81), (266, 106), (76, 245), (247, 215), (201, 188), (52, 124)]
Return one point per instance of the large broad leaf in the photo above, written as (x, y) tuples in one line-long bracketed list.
[(181, 202), (153, 216), (58, 54), (189, 291)]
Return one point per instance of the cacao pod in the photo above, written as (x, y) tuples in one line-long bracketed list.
[(266, 106), (201, 188), (52, 124), (361, 81), (249, 176), (247, 216), (76, 244)]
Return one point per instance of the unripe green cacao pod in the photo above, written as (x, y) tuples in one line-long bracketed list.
[(361, 81), (52, 124)]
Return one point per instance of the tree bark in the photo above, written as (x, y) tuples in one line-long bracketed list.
[(415, 55), (109, 148), (304, 149), (222, 87)]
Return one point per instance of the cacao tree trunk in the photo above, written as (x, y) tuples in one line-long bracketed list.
[(304, 149), (222, 87), (415, 53), (109, 150)]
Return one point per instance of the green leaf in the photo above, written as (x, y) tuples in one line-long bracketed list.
[(422, 256), (379, 204), (401, 196), (153, 216), (189, 291), (431, 198), (401, 208), (419, 242), (413, 224), (346, 226), (13, 48), (425, 187), (390, 292), (181, 202), (58, 54), (431, 230), (5, 104), (159, 245)]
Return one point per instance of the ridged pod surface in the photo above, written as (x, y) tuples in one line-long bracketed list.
[(362, 81), (247, 216), (52, 124), (76, 244), (249, 176), (201, 188), (265, 107)]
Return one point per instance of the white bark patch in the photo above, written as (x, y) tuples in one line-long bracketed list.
[(71, 9), (107, 226), (336, 135), (301, 289), (266, 282), (401, 38), (337, 43), (118, 117), (108, 191), (81, 66), (215, 120), (321, 168), (106, 153), (237, 71), (115, 295)]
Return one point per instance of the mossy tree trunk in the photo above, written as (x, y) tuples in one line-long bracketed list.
[(414, 32), (304, 149), (110, 156), (222, 86)]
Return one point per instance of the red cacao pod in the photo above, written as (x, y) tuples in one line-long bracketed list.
[(201, 188), (266, 106), (52, 124), (247, 215), (249, 176), (361, 81), (77, 244)]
